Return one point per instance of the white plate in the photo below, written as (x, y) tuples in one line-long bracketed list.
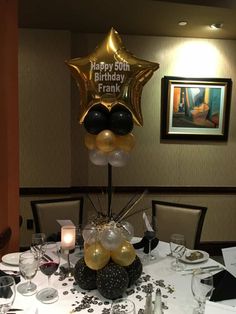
[(196, 261), (11, 259)]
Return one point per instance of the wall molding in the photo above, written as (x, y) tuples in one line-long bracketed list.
[(223, 190)]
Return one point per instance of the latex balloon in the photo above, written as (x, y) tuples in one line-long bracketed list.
[(90, 234), (106, 141), (127, 230), (98, 157), (90, 141), (96, 256), (118, 158), (111, 75), (125, 142), (120, 122), (96, 120), (111, 237), (124, 255)]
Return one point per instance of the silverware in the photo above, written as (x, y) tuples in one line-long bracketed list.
[(210, 269), (15, 310), (204, 267)]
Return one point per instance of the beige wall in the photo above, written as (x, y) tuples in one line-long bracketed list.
[(51, 140)]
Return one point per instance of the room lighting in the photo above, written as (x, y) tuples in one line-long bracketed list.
[(216, 26), (182, 23), (67, 244)]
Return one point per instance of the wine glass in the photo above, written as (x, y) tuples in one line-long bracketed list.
[(123, 306), (177, 247), (48, 264), (149, 234), (202, 288), (7, 293), (28, 265), (37, 241)]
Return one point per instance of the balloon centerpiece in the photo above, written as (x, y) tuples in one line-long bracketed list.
[(110, 81)]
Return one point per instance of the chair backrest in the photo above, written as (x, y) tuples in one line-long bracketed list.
[(5, 237), (179, 218), (47, 212)]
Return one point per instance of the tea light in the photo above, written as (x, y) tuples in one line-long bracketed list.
[(68, 237)]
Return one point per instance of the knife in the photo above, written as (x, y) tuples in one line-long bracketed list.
[(204, 267), (210, 269)]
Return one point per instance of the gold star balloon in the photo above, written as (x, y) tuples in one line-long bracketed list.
[(110, 76)]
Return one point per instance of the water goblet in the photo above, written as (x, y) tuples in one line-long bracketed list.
[(7, 293), (149, 234), (202, 288), (177, 247), (28, 265), (48, 264), (123, 306), (37, 241)]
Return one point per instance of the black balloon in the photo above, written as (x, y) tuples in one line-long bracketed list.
[(134, 270), (84, 276), (121, 121), (112, 281), (96, 120)]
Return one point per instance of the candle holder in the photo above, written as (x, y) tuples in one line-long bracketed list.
[(67, 245)]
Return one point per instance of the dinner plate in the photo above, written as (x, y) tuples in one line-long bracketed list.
[(11, 259), (203, 258)]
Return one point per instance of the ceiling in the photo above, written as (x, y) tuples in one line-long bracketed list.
[(134, 17)]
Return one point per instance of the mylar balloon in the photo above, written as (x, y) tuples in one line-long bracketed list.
[(124, 255), (111, 75), (118, 158), (125, 142), (106, 141), (121, 121), (90, 141), (96, 256), (96, 120), (98, 157)]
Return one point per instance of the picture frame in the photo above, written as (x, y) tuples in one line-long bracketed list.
[(195, 108)]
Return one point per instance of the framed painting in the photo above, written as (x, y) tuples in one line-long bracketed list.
[(195, 108)]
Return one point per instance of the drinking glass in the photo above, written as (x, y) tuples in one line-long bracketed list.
[(150, 235), (28, 265), (48, 264), (7, 293), (37, 242), (123, 306), (177, 247), (202, 288)]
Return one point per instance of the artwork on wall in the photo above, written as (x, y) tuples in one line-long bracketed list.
[(195, 108)]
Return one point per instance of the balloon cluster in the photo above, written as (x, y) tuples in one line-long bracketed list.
[(109, 138), (108, 241)]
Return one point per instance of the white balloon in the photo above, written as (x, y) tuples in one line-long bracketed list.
[(111, 237), (127, 230), (90, 234), (98, 158), (118, 158)]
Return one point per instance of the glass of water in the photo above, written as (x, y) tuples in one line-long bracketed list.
[(7, 293)]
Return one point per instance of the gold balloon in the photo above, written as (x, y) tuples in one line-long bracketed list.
[(90, 141), (111, 75), (124, 255), (125, 142), (106, 141), (96, 256)]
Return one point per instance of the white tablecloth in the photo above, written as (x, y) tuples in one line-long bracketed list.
[(175, 288)]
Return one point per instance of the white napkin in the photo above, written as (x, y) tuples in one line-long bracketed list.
[(216, 308)]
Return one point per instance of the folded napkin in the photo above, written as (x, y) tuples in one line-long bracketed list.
[(144, 243), (224, 284), (17, 278)]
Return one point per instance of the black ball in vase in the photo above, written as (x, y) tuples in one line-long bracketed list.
[(134, 270), (112, 281), (84, 276)]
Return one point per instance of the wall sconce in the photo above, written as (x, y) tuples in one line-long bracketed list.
[(67, 244)]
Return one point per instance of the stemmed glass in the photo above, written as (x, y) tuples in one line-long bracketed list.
[(150, 235), (7, 293), (202, 288), (37, 242), (123, 306), (177, 247), (48, 264), (28, 265)]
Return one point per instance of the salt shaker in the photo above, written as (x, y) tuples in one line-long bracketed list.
[(148, 304), (158, 303)]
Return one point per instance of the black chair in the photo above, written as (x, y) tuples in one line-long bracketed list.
[(179, 218), (46, 213)]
